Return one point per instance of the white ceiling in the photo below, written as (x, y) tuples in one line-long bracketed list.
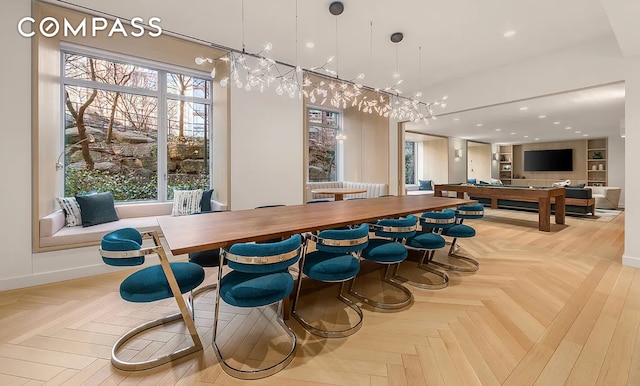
[(592, 112), (458, 38)]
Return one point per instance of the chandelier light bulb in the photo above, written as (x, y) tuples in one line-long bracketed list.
[(224, 82), (213, 73), (199, 61), (268, 46)]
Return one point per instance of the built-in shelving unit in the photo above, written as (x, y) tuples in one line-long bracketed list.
[(505, 160), (597, 162)]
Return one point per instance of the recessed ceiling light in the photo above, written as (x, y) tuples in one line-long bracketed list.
[(310, 45), (542, 116), (479, 124), (568, 128), (514, 133), (456, 119), (396, 75), (523, 108), (585, 135), (498, 129), (526, 136), (509, 34), (537, 139), (578, 132), (556, 122)]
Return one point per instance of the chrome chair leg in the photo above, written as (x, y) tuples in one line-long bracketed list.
[(469, 264), (426, 255), (184, 314), (258, 373), (384, 306), (327, 333)]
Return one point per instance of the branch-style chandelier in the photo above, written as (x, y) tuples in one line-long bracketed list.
[(322, 84)]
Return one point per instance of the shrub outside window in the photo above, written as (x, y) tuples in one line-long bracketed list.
[(134, 130)]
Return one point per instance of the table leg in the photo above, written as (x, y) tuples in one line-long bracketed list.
[(339, 196), (494, 203), (544, 213), (560, 209), (460, 194)]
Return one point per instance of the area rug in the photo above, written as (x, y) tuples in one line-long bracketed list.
[(605, 215)]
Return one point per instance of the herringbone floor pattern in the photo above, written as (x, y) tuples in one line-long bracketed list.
[(544, 308)]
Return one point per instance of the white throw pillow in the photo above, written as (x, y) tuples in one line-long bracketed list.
[(495, 181), (71, 209), (186, 202), (561, 184)]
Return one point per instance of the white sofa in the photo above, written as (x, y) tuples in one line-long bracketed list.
[(143, 216), (607, 197), (414, 190), (373, 189)]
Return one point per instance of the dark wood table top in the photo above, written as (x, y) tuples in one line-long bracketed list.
[(201, 232)]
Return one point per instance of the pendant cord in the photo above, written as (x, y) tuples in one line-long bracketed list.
[(243, 47)]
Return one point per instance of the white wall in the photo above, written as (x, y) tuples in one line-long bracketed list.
[(15, 157), (593, 63), (615, 164), (266, 149), (479, 162), (632, 157), (457, 165)]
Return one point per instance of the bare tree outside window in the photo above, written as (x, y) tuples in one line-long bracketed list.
[(117, 104)]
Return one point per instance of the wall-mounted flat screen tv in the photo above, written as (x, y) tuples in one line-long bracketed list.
[(559, 160)]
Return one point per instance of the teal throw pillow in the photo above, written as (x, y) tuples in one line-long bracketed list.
[(205, 202), (425, 185), (97, 209)]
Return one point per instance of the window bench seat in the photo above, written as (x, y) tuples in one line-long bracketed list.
[(54, 235)]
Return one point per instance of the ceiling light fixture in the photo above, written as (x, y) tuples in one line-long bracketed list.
[(542, 116), (513, 133), (509, 34), (498, 129), (556, 122), (523, 108), (456, 119), (479, 124), (339, 92), (536, 139), (310, 45), (568, 128)]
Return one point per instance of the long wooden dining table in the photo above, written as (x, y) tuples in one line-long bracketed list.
[(201, 232)]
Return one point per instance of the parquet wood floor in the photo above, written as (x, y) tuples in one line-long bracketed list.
[(545, 308)]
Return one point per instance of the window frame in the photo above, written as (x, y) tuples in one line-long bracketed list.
[(161, 93), (416, 162), (339, 146)]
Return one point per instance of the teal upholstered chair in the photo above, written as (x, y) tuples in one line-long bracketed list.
[(335, 260), (259, 277), (459, 231), (388, 249), (124, 247), (427, 242)]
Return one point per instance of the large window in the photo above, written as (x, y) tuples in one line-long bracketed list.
[(132, 129), (410, 162), (324, 149)]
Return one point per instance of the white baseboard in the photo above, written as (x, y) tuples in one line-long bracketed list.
[(631, 261), (55, 276)]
